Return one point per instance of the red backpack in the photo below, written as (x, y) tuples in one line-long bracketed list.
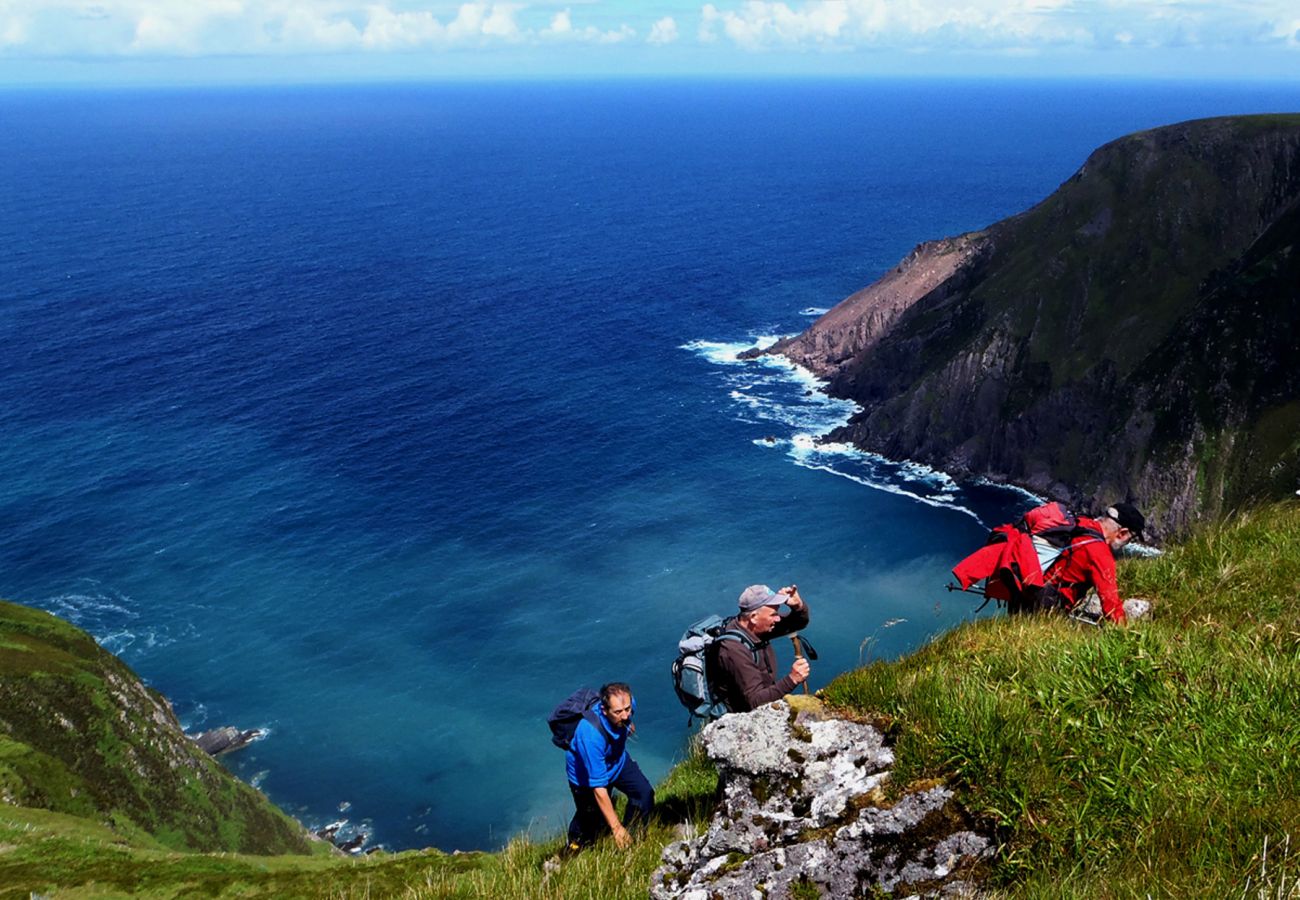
[(1052, 521), (1010, 561)]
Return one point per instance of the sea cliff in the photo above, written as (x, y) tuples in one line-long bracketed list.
[(1131, 336)]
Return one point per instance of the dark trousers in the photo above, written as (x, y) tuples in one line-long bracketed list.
[(588, 823), (1022, 601), (1036, 599)]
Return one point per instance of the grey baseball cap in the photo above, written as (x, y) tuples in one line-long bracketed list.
[(757, 595)]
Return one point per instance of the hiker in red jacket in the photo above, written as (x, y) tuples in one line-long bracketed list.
[(1089, 561)]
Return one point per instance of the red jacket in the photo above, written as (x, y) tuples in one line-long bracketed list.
[(1010, 565), (1008, 561), (1088, 562)]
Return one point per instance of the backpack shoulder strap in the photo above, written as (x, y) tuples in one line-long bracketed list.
[(736, 634), (1094, 533), (590, 715), (1058, 564)]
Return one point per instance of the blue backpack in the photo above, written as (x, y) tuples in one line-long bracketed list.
[(692, 679), (564, 719)]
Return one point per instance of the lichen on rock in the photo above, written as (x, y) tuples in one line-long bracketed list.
[(789, 823)]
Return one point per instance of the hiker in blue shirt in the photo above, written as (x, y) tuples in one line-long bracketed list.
[(597, 762)]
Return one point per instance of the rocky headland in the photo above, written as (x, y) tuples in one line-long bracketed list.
[(1131, 336)]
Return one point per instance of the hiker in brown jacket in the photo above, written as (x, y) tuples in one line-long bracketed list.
[(745, 670)]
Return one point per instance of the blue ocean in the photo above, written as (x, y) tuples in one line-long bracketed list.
[(384, 417)]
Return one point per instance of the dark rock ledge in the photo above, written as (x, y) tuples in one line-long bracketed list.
[(803, 808), (227, 739)]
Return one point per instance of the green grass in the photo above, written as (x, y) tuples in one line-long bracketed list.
[(1153, 760), (1159, 760), (79, 734), (65, 856)]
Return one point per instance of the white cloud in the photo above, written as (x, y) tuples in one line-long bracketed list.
[(996, 24), (108, 28), (617, 35), (663, 32), (759, 23), (306, 28), (561, 29), (500, 22), (273, 27), (561, 25), (13, 31), (385, 29), (176, 27)]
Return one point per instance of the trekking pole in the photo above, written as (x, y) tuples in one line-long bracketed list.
[(798, 654), (978, 592)]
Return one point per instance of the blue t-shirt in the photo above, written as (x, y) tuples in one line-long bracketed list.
[(593, 760)]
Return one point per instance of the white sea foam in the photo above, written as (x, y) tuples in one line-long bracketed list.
[(881, 473), (814, 311), (1014, 488), (725, 353), (774, 391), (111, 617), (941, 502), (194, 717), (100, 603), (116, 643), (1133, 548)]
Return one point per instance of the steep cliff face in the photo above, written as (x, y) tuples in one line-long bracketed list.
[(1127, 337), (80, 734)]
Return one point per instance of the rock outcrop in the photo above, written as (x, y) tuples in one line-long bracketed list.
[(804, 808), (1130, 336), (227, 739)]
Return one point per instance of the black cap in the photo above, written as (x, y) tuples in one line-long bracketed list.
[(1127, 515)]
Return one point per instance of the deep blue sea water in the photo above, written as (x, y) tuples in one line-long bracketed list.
[(384, 417)]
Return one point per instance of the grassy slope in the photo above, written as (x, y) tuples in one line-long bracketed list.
[(64, 856), (1157, 760), (79, 734)]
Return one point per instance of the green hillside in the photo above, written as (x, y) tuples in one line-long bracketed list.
[(79, 734), (1156, 760)]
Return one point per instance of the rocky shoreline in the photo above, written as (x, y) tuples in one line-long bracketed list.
[(346, 837)]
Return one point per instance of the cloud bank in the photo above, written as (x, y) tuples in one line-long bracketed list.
[(108, 28)]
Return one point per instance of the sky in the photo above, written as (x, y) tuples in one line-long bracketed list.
[(168, 42)]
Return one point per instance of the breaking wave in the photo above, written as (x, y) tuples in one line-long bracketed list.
[(790, 403)]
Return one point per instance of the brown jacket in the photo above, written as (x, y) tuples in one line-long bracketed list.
[(743, 682)]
